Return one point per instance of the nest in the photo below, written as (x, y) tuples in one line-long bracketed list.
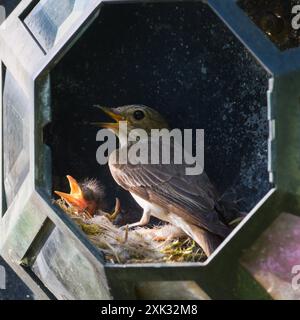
[(121, 245)]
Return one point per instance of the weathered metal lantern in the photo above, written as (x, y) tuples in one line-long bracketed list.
[(58, 55)]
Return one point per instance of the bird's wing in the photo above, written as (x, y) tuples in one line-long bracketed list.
[(191, 197)]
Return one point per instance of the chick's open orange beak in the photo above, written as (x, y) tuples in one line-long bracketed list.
[(75, 198), (112, 114)]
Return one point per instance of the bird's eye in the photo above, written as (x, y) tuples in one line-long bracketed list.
[(138, 115)]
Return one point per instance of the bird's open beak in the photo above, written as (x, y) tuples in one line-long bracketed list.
[(115, 116), (75, 197)]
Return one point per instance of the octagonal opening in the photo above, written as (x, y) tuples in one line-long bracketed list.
[(180, 59)]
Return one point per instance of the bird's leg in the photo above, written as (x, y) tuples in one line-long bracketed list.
[(144, 220), (116, 212)]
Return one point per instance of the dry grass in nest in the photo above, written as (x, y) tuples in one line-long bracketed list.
[(140, 245)]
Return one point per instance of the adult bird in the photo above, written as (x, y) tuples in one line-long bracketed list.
[(189, 202)]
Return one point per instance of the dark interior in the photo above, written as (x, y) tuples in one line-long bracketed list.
[(180, 59)]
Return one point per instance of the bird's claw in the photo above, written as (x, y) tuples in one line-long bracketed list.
[(113, 216)]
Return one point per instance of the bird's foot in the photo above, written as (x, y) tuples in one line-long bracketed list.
[(144, 220), (113, 216)]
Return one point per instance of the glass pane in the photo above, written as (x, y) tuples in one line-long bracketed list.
[(67, 271), (274, 258), (15, 137), (51, 19)]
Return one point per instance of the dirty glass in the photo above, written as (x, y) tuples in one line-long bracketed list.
[(15, 137), (67, 271), (273, 259), (51, 19)]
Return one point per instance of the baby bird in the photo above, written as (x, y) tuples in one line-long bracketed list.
[(86, 198)]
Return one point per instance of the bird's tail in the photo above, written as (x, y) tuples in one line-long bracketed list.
[(228, 209), (205, 239), (230, 213)]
